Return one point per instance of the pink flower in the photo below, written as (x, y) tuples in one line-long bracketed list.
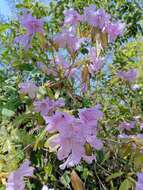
[(127, 126), (47, 106), (129, 75), (95, 62), (72, 17), (32, 24), (16, 178), (114, 30), (28, 88)]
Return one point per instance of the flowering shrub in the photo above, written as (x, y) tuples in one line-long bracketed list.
[(69, 118)]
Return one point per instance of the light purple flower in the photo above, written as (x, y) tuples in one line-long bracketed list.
[(129, 75), (62, 65), (47, 106), (42, 67), (90, 116), (95, 62), (67, 39), (16, 178), (23, 40), (84, 87), (72, 135), (28, 88), (139, 183), (127, 126), (32, 24), (114, 30), (97, 18), (72, 17)]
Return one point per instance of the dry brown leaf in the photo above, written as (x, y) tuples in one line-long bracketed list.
[(76, 182)]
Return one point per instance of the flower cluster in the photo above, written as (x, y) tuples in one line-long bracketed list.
[(16, 178), (68, 39), (32, 26), (28, 88), (48, 106), (73, 134)]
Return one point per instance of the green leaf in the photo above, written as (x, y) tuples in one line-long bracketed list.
[(8, 113), (48, 169), (114, 175), (65, 180), (125, 185), (22, 119), (4, 27)]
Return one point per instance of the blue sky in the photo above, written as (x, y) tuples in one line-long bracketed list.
[(4, 8)]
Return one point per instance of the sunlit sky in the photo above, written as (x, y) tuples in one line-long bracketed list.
[(4, 8), (7, 12)]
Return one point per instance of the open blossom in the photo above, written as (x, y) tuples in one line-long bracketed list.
[(127, 126), (139, 183), (72, 17), (97, 18), (90, 116), (47, 106), (16, 178), (129, 75), (62, 65), (67, 39), (114, 30), (95, 62), (28, 88), (32, 24), (73, 134)]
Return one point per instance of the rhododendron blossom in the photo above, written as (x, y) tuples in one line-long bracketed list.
[(127, 126), (95, 62), (73, 133), (16, 178), (98, 18), (47, 106), (129, 75), (72, 17), (67, 39), (32, 24), (28, 88), (114, 30), (139, 183), (62, 65)]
